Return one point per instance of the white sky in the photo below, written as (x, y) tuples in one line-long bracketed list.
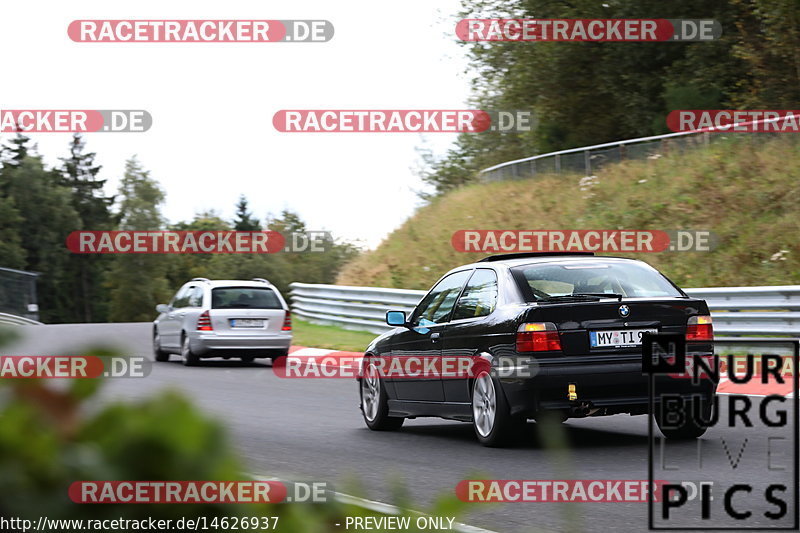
[(212, 104)]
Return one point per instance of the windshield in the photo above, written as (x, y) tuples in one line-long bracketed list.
[(244, 298), (592, 279)]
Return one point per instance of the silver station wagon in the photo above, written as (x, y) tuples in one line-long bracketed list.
[(223, 318)]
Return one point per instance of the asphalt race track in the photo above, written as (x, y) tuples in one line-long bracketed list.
[(311, 429)]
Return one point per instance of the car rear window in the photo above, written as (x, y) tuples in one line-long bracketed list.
[(244, 298), (630, 279)]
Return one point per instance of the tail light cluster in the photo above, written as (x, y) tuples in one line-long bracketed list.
[(538, 337), (287, 322), (699, 328), (204, 322)]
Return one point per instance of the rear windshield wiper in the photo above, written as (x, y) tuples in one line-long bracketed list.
[(581, 296)]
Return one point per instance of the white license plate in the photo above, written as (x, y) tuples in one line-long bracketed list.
[(617, 337), (246, 323)]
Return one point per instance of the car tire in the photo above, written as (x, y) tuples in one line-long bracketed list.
[(158, 353), (189, 358), (491, 418), (375, 402), (690, 428)]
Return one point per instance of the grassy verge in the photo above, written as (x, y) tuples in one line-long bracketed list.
[(744, 190), (329, 337)]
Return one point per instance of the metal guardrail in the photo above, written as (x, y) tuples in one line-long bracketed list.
[(771, 310), (14, 320), (588, 159), (18, 293), (361, 308)]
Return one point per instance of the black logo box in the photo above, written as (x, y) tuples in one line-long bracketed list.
[(674, 345)]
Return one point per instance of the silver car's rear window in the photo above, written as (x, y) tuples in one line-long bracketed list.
[(630, 279), (244, 298)]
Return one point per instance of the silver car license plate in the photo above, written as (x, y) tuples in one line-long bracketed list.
[(247, 323)]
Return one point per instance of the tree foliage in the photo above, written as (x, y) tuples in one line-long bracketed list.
[(245, 221), (39, 215), (585, 93), (39, 207), (137, 282), (79, 175)]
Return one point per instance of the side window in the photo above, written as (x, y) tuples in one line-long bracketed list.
[(182, 298), (196, 297), (179, 297), (479, 297), (436, 306)]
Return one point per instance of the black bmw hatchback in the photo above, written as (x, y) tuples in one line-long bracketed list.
[(559, 336)]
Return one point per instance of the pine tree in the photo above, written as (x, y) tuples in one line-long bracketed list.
[(244, 220), (79, 174), (137, 281), (37, 217), (18, 150), (12, 255)]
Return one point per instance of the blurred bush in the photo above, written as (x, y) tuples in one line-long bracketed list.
[(55, 433)]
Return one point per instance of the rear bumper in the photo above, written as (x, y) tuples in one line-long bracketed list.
[(203, 343), (617, 385)]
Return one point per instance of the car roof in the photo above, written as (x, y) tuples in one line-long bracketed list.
[(231, 283), (514, 260)]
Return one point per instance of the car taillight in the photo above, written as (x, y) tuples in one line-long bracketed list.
[(538, 337), (287, 322), (699, 328), (204, 322)]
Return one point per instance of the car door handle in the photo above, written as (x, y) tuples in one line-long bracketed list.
[(434, 337)]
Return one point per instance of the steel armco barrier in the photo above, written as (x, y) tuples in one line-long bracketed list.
[(14, 320), (772, 310), (587, 159)]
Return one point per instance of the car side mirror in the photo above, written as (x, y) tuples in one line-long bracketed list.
[(163, 308), (396, 318)]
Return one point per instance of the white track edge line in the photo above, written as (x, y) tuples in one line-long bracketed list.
[(381, 507)]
